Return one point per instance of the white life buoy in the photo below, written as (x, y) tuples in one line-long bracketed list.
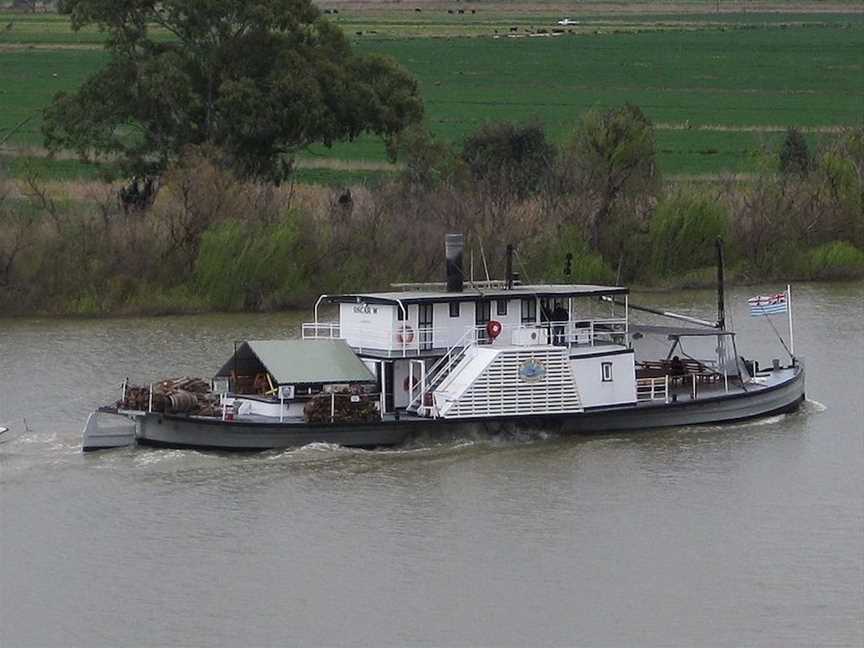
[(405, 334)]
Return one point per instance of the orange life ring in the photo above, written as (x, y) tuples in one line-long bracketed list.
[(406, 334), (493, 328)]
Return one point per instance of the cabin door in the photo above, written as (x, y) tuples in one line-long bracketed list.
[(424, 324), (483, 313)]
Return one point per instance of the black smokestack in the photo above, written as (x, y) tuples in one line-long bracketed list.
[(454, 246)]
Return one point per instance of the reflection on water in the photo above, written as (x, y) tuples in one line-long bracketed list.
[(714, 535)]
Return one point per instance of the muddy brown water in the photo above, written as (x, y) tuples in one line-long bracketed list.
[(747, 534)]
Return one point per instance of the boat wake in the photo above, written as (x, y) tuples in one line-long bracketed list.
[(814, 406)]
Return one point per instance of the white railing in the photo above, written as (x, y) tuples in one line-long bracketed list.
[(580, 332), (405, 339), (442, 368), (320, 331), (651, 389)]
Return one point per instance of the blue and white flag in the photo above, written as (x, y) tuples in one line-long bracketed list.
[(768, 304)]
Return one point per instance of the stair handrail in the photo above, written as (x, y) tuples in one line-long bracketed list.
[(444, 365)]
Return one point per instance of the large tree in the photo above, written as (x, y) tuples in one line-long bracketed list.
[(258, 80), (612, 155)]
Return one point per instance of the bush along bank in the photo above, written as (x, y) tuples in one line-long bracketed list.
[(595, 210)]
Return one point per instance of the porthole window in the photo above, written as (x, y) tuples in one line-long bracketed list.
[(606, 371)]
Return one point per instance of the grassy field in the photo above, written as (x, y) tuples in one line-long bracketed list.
[(719, 87)]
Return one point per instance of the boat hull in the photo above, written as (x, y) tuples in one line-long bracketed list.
[(784, 395)]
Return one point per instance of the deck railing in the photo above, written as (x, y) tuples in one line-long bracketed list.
[(321, 331), (406, 339), (651, 389), (582, 332)]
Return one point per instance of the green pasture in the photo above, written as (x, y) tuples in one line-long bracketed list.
[(762, 73)]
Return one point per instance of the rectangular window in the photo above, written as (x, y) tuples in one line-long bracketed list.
[(529, 311), (454, 309), (502, 307), (606, 370), (399, 314)]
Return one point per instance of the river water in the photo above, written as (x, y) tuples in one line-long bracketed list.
[(751, 534)]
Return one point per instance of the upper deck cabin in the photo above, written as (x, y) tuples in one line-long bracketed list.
[(427, 319)]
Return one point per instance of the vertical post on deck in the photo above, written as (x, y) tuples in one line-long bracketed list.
[(332, 406), (721, 306), (627, 321), (789, 311), (150, 402), (383, 405)]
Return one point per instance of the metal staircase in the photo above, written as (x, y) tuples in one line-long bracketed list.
[(438, 373)]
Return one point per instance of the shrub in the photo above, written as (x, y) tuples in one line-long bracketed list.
[(510, 159), (836, 260), (585, 266), (794, 155), (683, 231), (251, 267)]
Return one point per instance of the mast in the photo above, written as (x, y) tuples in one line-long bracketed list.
[(721, 306)]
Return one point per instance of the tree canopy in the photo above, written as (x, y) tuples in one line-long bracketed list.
[(509, 158), (259, 80), (613, 153)]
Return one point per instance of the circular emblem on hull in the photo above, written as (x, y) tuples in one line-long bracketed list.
[(532, 370)]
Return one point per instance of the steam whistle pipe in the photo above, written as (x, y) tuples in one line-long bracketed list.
[(721, 306), (509, 267)]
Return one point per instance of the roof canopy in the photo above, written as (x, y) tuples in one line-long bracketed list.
[(551, 291), (293, 362)]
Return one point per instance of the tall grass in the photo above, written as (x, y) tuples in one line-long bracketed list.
[(683, 230), (253, 268)]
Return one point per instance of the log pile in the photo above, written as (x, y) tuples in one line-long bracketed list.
[(318, 409), (174, 396)]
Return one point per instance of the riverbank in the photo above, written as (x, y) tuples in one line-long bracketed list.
[(199, 239)]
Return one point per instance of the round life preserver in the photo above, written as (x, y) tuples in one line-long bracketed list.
[(493, 328), (405, 334), (406, 384)]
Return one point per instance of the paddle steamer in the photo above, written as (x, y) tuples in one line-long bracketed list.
[(444, 359)]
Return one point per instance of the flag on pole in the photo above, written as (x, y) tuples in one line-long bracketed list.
[(768, 304)]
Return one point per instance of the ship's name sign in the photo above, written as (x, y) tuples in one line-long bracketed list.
[(366, 309)]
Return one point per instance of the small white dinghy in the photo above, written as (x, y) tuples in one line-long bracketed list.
[(119, 433)]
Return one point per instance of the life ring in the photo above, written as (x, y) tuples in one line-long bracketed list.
[(493, 329), (405, 334), (406, 384)]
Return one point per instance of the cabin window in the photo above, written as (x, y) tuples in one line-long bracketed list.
[(454, 309), (606, 371), (529, 311), (501, 307), (400, 315)]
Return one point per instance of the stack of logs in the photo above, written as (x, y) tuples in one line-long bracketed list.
[(318, 410), (174, 396)]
